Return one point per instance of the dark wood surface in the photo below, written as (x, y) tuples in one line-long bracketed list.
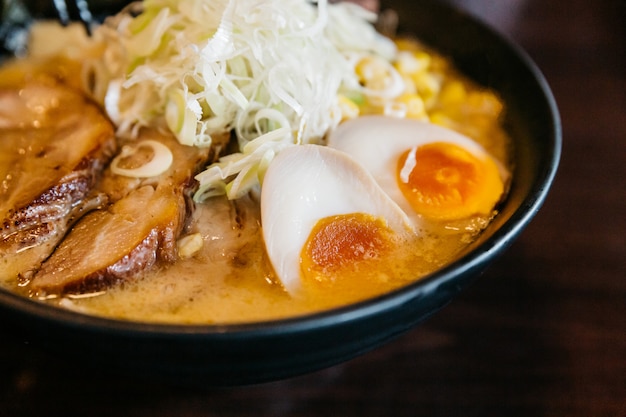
[(541, 333)]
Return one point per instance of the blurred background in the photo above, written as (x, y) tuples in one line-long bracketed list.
[(541, 333)]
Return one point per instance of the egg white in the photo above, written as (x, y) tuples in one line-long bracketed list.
[(306, 183), (377, 142)]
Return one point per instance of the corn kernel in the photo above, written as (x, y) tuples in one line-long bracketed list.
[(394, 109), (414, 106), (428, 85), (485, 102), (375, 74), (409, 85), (439, 118), (424, 58), (405, 44), (370, 68), (453, 93), (409, 63), (348, 108), (482, 123), (440, 64), (189, 245)]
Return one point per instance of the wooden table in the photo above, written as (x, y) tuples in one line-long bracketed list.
[(542, 333)]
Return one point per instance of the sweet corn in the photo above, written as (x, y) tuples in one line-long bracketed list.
[(485, 102), (457, 104), (453, 94), (441, 119), (349, 109), (407, 44), (414, 106), (189, 245), (371, 68), (409, 85), (481, 124), (410, 63), (428, 85)]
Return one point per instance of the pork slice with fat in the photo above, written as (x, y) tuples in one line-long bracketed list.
[(54, 145), (135, 234), (111, 245)]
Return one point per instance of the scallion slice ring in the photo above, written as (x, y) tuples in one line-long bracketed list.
[(161, 160)]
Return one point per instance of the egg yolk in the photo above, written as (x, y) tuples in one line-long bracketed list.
[(339, 246), (443, 181)]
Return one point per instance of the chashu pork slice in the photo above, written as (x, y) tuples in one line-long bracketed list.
[(114, 244), (136, 233), (187, 161), (54, 145)]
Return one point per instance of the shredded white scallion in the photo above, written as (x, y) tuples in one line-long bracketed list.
[(271, 70)]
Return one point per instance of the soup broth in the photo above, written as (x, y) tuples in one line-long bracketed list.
[(228, 277), (231, 281)]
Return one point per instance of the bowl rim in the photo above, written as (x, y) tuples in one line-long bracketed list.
[(502, 237)]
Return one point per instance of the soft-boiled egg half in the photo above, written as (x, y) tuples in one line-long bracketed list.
[(323, 215), (339, 213), (429, 171)]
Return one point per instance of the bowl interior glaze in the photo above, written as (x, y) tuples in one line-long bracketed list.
[(258, 352)]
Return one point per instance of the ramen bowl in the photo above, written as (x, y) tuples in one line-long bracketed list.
[(264, 351)]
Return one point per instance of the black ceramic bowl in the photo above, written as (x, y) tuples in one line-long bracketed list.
[(249, 353)]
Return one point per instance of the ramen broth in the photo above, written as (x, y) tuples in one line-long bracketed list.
[(230, 279)]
